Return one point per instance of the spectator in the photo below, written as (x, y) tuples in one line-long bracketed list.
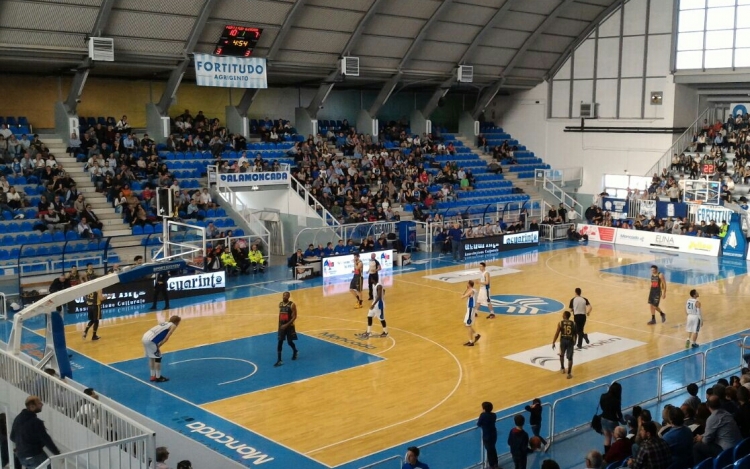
[(621, 448), (412, 459), (162, 454), (486, 422), (610, 403), (256, 259), (654, 452), (185, 464), (88, 414), (721, 432), (594, 460), (518, 441), (679, 438), (4, 453), (30, 436)]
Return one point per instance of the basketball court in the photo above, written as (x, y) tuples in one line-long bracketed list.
[(349, 401)]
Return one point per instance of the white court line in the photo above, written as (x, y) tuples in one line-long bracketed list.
[(193, 404), (450, 394), (650, 331), (222, 358)]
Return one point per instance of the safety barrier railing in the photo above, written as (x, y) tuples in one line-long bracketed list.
[(76, 421), (442, 449), (689, 366), (122, 454), (394, 462), (559, 193), (720, 365), (651, 385), (554, 232), (320, 209), (682, 142), (256, 226)]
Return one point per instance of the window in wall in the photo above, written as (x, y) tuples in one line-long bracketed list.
[(711, 33)]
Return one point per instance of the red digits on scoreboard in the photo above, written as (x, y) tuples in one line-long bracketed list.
[(233, 32)]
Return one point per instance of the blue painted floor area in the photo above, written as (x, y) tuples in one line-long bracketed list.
[(176, 405), (241, 366), (685, 269)]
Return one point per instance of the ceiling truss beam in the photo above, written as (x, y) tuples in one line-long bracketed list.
[(175, 77), (489, 93)]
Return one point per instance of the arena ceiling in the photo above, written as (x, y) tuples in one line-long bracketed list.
[(513, 44)]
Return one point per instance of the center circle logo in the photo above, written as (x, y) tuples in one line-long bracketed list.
[(523, 305)]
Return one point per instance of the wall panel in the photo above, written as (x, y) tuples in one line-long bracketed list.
[(631, 93), (584, 60)]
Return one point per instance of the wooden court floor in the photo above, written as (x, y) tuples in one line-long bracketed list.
[(429, 380)]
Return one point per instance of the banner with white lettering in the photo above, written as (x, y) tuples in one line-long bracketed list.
[(618, 208), (712, 212), (266, 178), (230, 72), (648, 208)]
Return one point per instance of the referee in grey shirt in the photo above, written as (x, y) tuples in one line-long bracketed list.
[(581, 308)]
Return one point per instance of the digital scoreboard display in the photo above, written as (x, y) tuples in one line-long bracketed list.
[(237, 41)]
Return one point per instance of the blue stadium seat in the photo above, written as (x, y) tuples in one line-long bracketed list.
[(4, 255), (137, 230), (11, 121), (148, 229), (42, 250), (725, 458), (742, 449), (22, 239), (705, 464), (743, 463), (35, 238), (59, 236), (71, 236)]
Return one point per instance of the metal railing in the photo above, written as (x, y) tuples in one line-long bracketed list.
[(79, 423), (559, 193), (682, 143), (320, 209), (652, 385), (356, 232), (4, 306), (256, 226), (563, 175), (554, 232)]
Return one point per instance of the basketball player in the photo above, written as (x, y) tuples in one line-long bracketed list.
[(470, 295), (94, 303), (376, 309), (373, 278), (152, 341), (694, 319), (355, 286), (657, 292), (287, 317), (484, 299), (566, 330), (581, 309)]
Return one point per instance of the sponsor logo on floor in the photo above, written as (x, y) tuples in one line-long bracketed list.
[(461, 276), (523, 305), (600, 346)]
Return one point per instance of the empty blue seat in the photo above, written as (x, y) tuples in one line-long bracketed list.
[(71, 235), (725, 458), (58, 236), (743, 463), (42, 250), (4, 255), (22, 239), (137, 230), (148, 229), (35, 238), (55, 250), (742, 449)]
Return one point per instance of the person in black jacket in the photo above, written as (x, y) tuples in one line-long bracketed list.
[(611, 403), (30, 436), (486, 422), (60, 283), (160, 287), (535, 420)]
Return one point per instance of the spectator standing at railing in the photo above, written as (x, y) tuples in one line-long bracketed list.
[(455, 234), (486, 422), (30, 436), (412, 459)]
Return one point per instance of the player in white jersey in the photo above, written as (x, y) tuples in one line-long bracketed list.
[(471, 314), (377, 309), (484, 299), (694, 319), (152, 341)]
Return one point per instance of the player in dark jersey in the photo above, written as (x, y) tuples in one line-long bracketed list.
[(566, 330), (373, 278), (656, 293), (287, 317), (94, 303), (355, 286)]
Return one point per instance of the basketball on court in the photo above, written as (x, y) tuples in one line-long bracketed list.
[(535, 442)]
